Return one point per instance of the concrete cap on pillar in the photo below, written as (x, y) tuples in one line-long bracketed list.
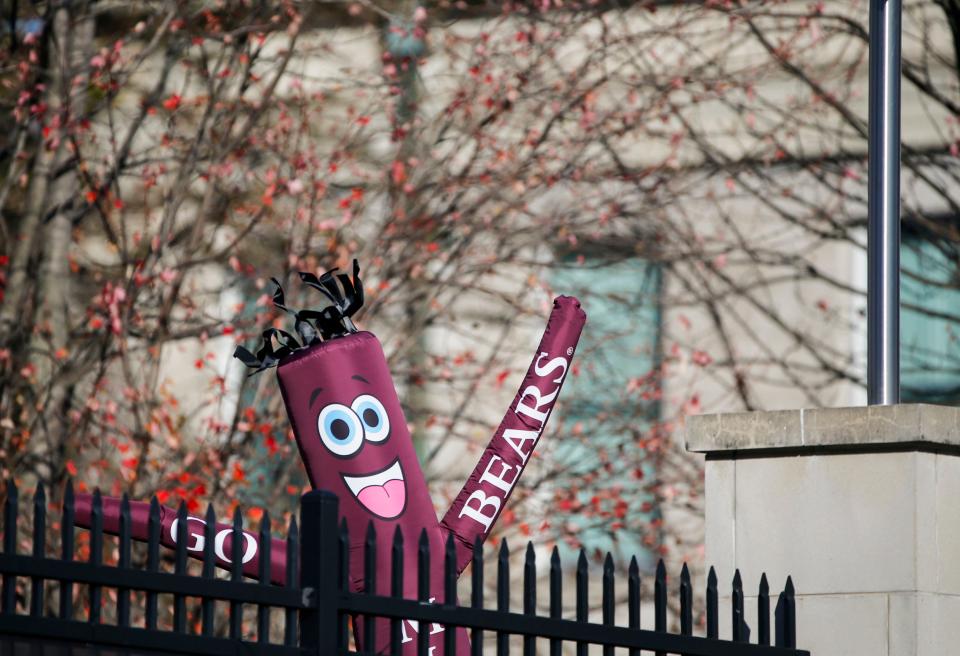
[(878, 427)]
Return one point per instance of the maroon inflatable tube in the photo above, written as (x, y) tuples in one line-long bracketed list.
[(354, 441)]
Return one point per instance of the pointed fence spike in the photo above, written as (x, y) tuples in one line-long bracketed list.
[(530, 580), (556, 597), (633, 598), (713, 608), (237, 542), (39, 547), (607, 592), (503, 593), (476, 594), (737, 619), (343, 580), (10, 507), (66, 550), (660, 598), (263, 573), (369, 622), (686, 602), (123, 562), (450, 591), (396, 588), (153, 561), (529, 595), (423, 588), (96, 555), (293, 581), (582, 599), (763, 611), (180, 568), (208, 604), (790, 614)]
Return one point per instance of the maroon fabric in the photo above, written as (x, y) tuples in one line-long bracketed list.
[(354, 441), (493, 480), (223, 538)]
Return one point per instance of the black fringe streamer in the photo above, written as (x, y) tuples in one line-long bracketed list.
[(312, 326)]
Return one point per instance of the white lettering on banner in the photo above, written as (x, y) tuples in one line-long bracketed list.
[(498, 480), (415, 626), (477, 514), (199, 542), (484, 506)]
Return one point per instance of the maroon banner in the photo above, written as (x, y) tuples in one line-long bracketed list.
[(493, 480)]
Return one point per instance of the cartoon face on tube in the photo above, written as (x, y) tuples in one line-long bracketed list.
[(344, 431), (351, 431)]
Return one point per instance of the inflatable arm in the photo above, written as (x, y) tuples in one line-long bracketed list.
[(496, 474), (223, 535)]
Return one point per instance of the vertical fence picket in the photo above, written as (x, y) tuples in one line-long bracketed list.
[(450, 593), (39, 548), (96, 554), (293, 581), (396, 589), (737, 610), (582, 582), (503, 595), (369, 584), (153, 561), (763, 611), (476, 594), (263, 573), (660, 600), (607, 600), (236, 573), (66, 551), (423, 589), (180, 568), (529, 595), (207, 606), (123, 562), (344, 582), (713, 610), (633, 599), (686, 602), (9, 605), (319, 573), (556, 597), (786, 617)]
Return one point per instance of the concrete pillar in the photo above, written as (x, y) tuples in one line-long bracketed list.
[(860, 505)]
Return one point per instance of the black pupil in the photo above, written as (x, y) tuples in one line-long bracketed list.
[(371, 418), (340, 429)]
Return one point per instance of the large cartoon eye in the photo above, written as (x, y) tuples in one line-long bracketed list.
[(373, 416), (340, 430)]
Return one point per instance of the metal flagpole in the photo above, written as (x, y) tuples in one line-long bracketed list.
[(883, 240)]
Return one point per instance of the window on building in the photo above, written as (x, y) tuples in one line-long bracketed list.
[(929, 320), (612, 407)]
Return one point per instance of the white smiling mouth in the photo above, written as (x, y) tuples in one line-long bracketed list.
[(384, 493), (358, 483)]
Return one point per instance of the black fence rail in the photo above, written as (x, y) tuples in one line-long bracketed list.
[(313, 607)]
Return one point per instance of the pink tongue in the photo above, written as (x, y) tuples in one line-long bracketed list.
[(384, 500)]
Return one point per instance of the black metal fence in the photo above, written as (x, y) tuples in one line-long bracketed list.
[(316, 602)]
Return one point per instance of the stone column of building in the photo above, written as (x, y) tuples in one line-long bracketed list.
[(860, 505)]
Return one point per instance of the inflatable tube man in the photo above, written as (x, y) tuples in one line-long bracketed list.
[(354, 441)]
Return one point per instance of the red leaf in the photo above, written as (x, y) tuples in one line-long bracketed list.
[(172, 103)]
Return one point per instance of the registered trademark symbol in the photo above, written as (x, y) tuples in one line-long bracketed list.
[(569, 350)]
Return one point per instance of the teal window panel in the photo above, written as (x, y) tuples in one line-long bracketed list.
[(612, 404), (929, 339)]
